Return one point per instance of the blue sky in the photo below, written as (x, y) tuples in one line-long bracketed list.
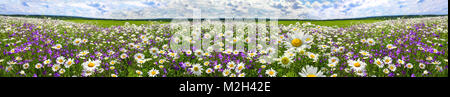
[(293, 9)]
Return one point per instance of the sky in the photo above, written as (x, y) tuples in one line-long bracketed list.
[(282, 9)]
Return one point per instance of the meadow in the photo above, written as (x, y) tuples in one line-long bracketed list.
[(331, 23), (413, 47)]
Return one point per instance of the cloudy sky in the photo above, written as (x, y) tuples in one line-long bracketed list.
[(293, 9)]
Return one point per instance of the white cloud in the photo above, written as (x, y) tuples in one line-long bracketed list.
[(143, 9)]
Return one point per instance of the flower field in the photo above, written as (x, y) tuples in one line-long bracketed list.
[(416, 47)]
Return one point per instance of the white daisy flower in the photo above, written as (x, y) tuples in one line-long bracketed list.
[(153, 72), (226, 72), (392, 67), (400, 61), (48, 61), (209, 70), (38, 66), (196, 69), (298, 39), (390, 46), (379, 63), (310, 71), (57, 46), (77, 41), (409, 66), (240, 67), (231, 65), (387, 60), (333, 60), (123, 56), (90, 65), (271, 72), (218, 66), (357, 64), (421, 66), (285, 61), (60, 60), (56, 67)]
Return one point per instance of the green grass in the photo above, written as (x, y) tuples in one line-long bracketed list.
[(330, 23), (108, 23)]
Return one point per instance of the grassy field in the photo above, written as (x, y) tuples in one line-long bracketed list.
[(331, 23), (107, 23), (338, 23), (43, 48)]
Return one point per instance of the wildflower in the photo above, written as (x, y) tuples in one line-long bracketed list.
[(218, 66), (226, 72), (297, 40), (333, 60), (310, 71), (90, 65), (48, 61), (38, 66), (390, 46), (196, 69), (421, 66), (271, 72), (57, 46), (60, 60), (153, 72), (240, 67), (409, 66), (209, 70), (392, 67), (285, 61), (231, 65), (387, 60), (77, 41), (379, 63), (123, 56), (357, 64), (139, 56)]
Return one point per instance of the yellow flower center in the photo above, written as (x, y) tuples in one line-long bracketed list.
[(312, 56), (285, 60), (357, 64), (271, 73), (308, 39), (195, 68), (153, 72), (296, 42), (91, 64), (311, 75), (302, 52)]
